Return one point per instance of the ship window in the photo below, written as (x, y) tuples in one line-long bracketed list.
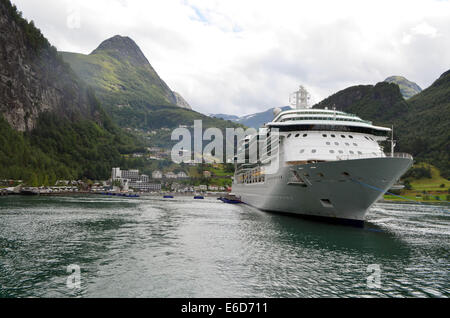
[(302, 151), (351, 152), (354, 144), (350, 136), (333, 136), (340, 151), (336, 143), (359, 153), (324, 135), (304, 135), (347, 144), (331, 151), (296, 136), (342, 136), (366, 137), (313, 151), (328, 143), (289, 135)]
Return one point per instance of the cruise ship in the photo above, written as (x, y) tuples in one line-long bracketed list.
[(325, 163)]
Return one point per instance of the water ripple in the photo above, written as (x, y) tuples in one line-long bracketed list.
[(149, 247)]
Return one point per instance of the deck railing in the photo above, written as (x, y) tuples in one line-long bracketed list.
[(375, 155)]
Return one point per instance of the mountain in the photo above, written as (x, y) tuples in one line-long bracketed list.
[(131, 91), (253, 120), (380, 103), (421, 123), (225, 116), (121, 74), (122, 77), (51, 124), (407, 88)]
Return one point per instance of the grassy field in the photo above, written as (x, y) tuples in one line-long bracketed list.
[(434, 189)]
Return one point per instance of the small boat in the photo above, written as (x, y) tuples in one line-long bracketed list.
[(199, 197), (168, 197), (230, 199)]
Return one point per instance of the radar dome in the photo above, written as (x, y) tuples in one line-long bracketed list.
[(276, 111)]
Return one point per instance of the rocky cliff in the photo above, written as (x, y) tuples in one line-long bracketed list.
[(33, 78)]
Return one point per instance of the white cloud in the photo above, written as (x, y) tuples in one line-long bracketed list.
[(241, 56)]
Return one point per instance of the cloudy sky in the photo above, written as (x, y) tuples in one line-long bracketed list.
[(242, 56)]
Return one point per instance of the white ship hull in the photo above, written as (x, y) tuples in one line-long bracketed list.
[(341, 190)]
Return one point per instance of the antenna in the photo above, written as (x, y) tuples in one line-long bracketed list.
[(299, 99), (393, 143)]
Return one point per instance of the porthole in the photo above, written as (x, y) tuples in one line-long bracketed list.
[(331, 151), (351, 152), (332, 136), (359, 153), (340, 151), (336, 143), (328, 143), (289, 135), (342, 136), (350, 136), (304, 135), (324, 135), (355, 144), (302, 151), (313, 151), (347, 144), (296, 136)]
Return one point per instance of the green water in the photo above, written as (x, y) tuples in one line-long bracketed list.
[(151, 247)]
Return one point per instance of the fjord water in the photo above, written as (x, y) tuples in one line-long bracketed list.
[(151, 247)]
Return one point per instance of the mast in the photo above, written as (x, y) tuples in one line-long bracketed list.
[(392, 141), (299, 99)]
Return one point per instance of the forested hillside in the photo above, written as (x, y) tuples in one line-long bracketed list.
[(421, 123), (51, 123)]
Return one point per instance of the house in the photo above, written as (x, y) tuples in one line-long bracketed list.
[(182, 175), (207, 174), (157, 174), (170, 175)]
